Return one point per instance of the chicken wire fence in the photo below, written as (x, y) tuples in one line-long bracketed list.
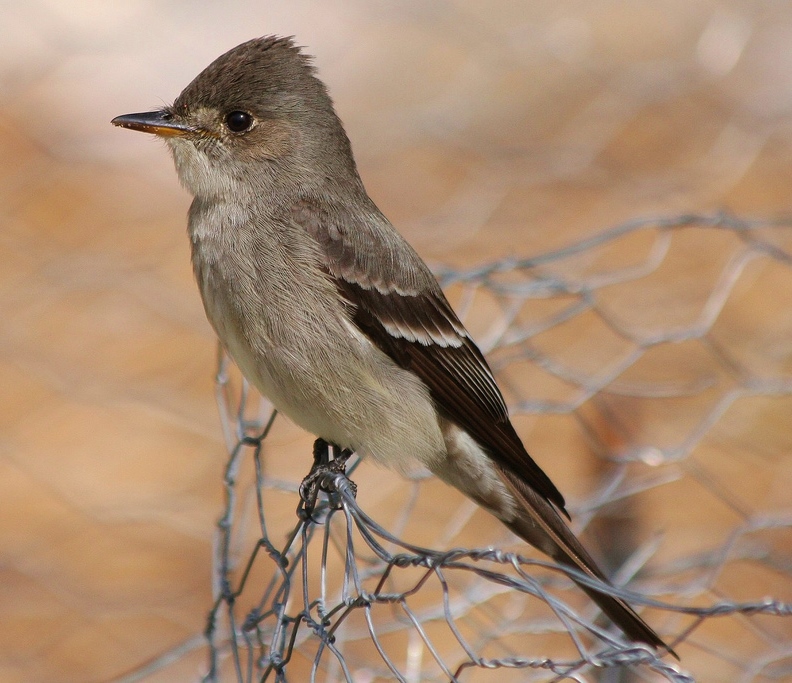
[(667, 383)]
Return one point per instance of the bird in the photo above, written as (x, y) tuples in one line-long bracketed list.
[(328, 310)]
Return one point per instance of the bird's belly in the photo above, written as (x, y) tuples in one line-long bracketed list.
[(306, 412), (266, 371), (352, 399)]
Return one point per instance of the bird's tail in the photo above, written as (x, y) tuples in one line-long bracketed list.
[(541, 526)]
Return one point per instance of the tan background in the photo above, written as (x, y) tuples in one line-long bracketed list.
[(482, 129)]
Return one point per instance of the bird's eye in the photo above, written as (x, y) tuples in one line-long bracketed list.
[(239, 121)]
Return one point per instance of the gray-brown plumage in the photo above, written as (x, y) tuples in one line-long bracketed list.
[(328, 311)]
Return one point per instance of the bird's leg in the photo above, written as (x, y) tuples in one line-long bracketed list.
[(329, 459)]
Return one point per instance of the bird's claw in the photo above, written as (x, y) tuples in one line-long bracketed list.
[(329, 460)]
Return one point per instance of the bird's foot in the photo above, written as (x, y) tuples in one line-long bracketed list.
[(329, 460)]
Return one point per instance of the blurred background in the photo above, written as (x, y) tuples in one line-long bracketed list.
[(482, 130)]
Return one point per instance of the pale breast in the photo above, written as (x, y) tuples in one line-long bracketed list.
[(282, 321)]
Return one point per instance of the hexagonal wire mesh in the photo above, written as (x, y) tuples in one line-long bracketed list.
[(666, 381)]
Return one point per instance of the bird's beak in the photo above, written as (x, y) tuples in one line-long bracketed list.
[(155, 122)]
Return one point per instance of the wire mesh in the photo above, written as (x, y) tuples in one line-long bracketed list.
[(345, 597)]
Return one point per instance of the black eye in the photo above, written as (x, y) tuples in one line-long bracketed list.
[(239, 121)]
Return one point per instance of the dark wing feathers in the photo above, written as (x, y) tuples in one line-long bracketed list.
[(398, 304)]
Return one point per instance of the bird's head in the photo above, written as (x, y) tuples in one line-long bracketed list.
[(257, 114)]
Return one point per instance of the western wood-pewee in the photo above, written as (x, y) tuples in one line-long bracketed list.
[(328, 311)]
